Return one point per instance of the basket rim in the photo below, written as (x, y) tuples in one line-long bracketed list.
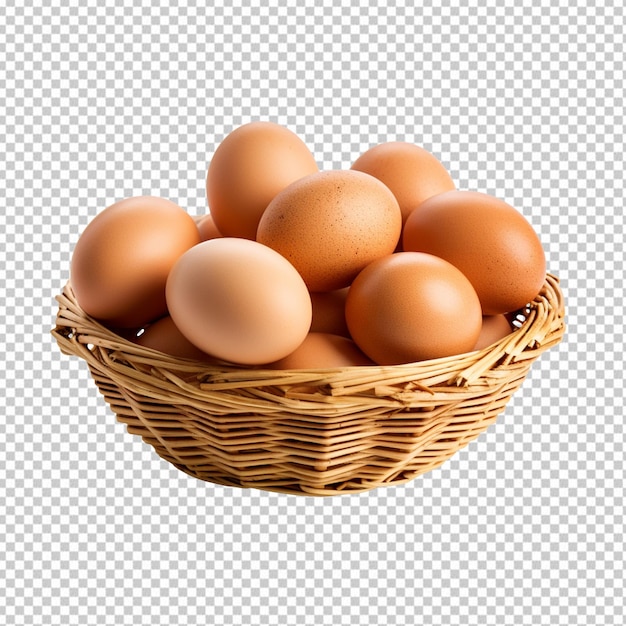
[(80, 334)]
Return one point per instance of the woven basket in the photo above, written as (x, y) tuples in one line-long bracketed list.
[(309, 432)]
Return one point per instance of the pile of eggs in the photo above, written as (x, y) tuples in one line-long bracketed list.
[(294, 267)]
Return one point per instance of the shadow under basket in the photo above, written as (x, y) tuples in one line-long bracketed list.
[(308, 432)]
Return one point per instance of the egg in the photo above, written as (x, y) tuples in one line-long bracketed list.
[(249, 167), (122, 259), (208, 229), (323, 350), (329, 312), (411, 172), (239, 301), (331, 224), (412, 306), (490, 241), (164, 336), (129, 334), (494, 328)]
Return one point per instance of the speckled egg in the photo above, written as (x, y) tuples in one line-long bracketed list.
[(331, 224)]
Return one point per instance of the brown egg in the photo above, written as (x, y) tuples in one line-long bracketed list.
[(323, 350), (122, 259), (129, 334), (208, 229), (329, 312), (412, 306), (519, 317), (494, 328), (164, 336), (250, 166), (239, 301), (411, 172), (331, 224), (487, 239)]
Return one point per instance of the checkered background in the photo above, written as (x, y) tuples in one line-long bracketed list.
[(100, 101)]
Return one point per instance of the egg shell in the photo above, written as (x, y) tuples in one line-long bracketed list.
[(412, 306), (164, 336), (239, 301), (121, 261), (321, 351), (487, 239), (329, 312), (494, 328), (411, 172), (250, 166), (129, 334), (331, 224), (207, 228)]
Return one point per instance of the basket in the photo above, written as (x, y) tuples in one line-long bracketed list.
[(308, 432)]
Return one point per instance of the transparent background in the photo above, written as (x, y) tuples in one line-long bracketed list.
[(100, 101)]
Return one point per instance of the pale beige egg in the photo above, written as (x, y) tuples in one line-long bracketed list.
[(239, 301)]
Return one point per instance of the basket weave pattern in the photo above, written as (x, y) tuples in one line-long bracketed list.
[(310, 432)]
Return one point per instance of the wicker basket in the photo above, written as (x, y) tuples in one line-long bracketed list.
[(309, 432)]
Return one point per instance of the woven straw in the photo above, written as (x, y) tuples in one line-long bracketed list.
[(310, 432)]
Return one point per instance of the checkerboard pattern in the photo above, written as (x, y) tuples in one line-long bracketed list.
[(105, 100)]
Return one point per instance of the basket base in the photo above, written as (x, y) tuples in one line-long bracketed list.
[(409, 443), (296, 478), (298, 489)]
